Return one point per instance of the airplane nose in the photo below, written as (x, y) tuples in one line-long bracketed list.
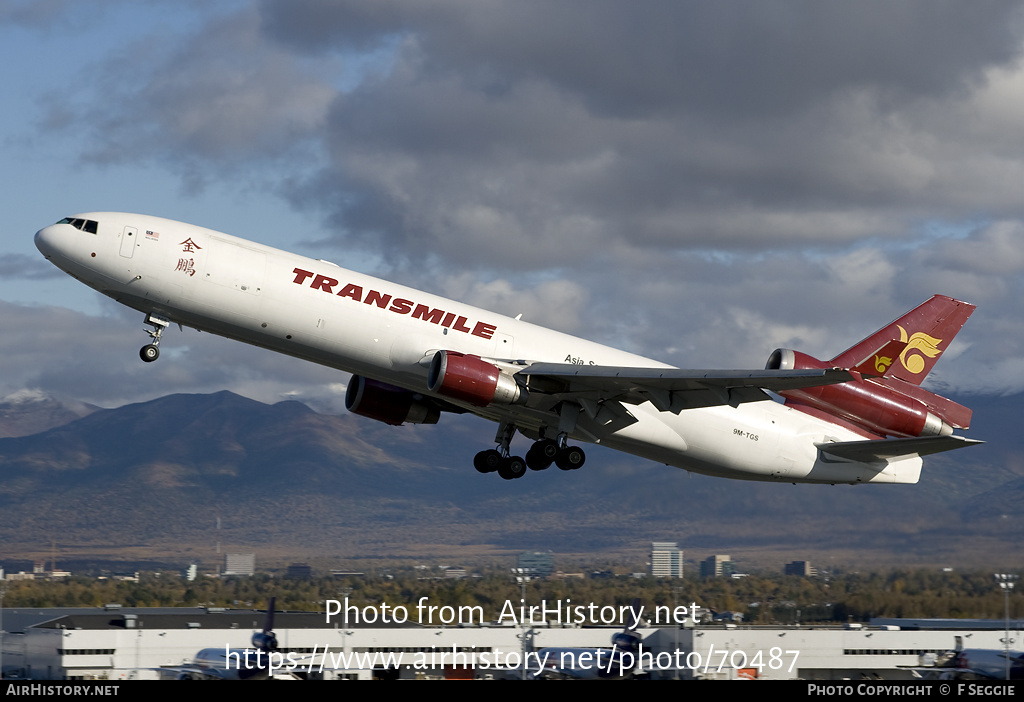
[(52, 240), (43, 241)]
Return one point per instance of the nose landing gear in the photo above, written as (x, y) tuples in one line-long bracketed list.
[(151, 352)]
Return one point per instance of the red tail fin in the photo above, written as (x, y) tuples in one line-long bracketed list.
[(926, 330)]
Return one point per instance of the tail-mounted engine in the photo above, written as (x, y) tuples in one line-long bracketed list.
[(627, 641), (264, 641), (387, 403), (474, 380), (884, 405)]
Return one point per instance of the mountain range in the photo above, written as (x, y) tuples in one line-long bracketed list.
[(152, 480)]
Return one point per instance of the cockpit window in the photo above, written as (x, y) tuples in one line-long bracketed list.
[(86, 225)]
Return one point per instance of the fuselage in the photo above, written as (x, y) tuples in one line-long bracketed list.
[(990, 664), (321, 312), (229, 664)]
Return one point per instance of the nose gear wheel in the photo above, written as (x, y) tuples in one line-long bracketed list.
[(151, 352)]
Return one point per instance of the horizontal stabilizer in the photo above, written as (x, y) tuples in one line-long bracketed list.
[(876, 450)]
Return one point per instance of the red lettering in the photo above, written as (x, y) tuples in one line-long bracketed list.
[(375, 298), (484, 330), (398, 305), (401, 306), (323, 283), (353, 291), (428, 315)]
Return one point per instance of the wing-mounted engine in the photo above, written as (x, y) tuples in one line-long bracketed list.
[(388, 404), (472, 379), (882, 405)]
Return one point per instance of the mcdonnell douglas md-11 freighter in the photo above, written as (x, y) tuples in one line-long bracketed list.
[(224, 663), (861, 417)]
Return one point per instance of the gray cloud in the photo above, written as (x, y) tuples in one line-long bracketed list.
[(210, 101), (95, 359), (514, 131), (699, 183), (34, 13), (24, 266), (731, 58), (517, 130)]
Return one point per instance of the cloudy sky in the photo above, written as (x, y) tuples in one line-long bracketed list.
[(697, 182)]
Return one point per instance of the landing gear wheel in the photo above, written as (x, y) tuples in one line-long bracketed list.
[(512, 467), (542, 454), (487, 461), (570, 458), (150, 352)]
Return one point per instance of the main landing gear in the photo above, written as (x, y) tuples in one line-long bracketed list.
[(151, 352), (540, 456)]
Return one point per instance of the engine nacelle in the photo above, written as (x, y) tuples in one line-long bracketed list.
[(868, 403), (387, 403), (788, 359), (472, 379), (627, 641), (264, 641)]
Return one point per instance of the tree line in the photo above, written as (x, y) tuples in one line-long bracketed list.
[(760, 599)]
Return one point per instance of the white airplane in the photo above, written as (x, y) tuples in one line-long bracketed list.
[(256, 663), (972, 664), (620, 662), (860, 418)]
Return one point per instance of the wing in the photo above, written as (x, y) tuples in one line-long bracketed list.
[(670, 389)]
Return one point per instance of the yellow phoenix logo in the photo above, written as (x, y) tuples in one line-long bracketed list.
[(882, 363), (920, 343)]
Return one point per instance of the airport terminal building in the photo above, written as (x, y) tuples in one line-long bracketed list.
[(117, 643)]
